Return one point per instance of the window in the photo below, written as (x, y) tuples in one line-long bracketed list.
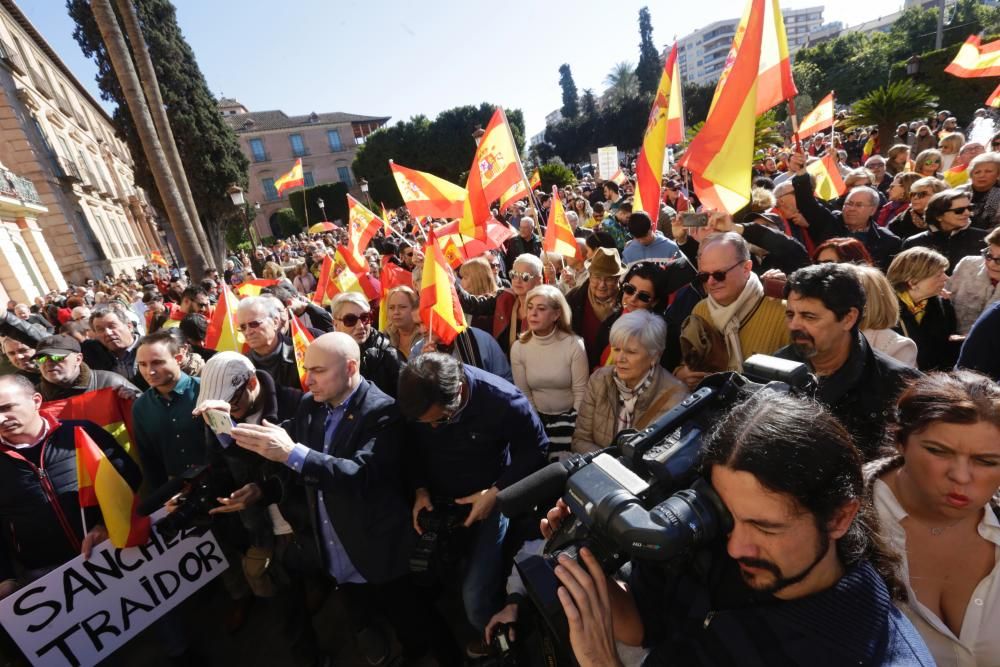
[(333, 137), (298, 146), (307, 178), (257, 148), (344, 174), (270, 192)]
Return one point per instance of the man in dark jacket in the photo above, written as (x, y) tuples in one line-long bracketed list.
[(593, 301), (12, 326), (41, 522), (64, 374), (526, 241), (114, 345), (21, 357), (259, 318), (860, 385), (855, 221), (345, 446)]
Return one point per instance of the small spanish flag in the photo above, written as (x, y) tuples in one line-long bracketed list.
[(156, 258), (829, 184), (300, 341), (818, 119), (222, 334), (292, 179), (536, 180), (975, 59), (440, 310), (558, 232), (254, 287), (101, 485)]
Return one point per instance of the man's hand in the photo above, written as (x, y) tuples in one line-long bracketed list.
[(506, 615), (221, 406), (554, 518), (127, 393), (799, 221), (797, 162), (268, 440), (720, 221), (94, 536), (679, 231), (7, 586), (482, 503), (584, 598), (421, 503), (238, 500), (689, 377)]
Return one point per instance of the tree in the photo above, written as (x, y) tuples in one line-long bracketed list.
[(890, 105), (650, 67), (555, 173), (697, 100), (288, 222), (588, 103), (570, 103), (622, 82), (334, 196), (209, 149)]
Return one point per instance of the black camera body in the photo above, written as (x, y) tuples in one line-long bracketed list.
[(198, 494), (440, 545)]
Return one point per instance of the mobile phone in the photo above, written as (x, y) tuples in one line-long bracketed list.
[(691, 219)]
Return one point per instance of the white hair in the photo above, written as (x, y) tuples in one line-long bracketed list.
[(531, 260), (271, 306), (345, 298), (872, 193), (648, 329)]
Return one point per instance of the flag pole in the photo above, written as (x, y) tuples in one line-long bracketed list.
[(305, 202), (524, 176), (793, 119), (83, 520)]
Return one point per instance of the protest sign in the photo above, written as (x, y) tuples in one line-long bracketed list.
[(607, 162), (80, 613)]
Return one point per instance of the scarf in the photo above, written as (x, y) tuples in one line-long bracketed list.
[(916, 309), (730, 319), (627, 398), (601, 310)]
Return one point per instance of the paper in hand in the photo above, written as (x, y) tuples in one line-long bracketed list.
[(219, 421)]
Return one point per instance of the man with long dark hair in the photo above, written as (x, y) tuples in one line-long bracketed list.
[(802, 578)]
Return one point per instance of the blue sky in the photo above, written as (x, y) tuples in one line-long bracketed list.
[(400, 58)]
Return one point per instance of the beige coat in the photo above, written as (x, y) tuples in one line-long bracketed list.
[(597, 421)]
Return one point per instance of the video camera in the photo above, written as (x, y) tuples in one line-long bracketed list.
[(440, 544), (198, 494), (643, 497)]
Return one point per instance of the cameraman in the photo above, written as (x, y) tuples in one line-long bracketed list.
[(475, 434), (805, 578)]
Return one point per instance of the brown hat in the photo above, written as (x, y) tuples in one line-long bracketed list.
[(606, 263), (57, 345)]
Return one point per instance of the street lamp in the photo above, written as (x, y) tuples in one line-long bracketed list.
[(478, 134), (235, 193), (913, 65), (322, 207), (364, 189)]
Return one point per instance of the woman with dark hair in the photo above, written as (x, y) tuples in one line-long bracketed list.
[(899, 197), (897, 160), (949, 227), (936, 497), (842, 250)]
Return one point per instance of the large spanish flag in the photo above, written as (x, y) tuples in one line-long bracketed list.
[(757, 76), (105, 408), (558, 232), (818, 119), (496, 167), (362, 226), (426, 195), (340, 274), (222, 334), (829, 184), (440, 310), (101, 485), (974, 59), (300, 341), (292, 179), (649, 166)]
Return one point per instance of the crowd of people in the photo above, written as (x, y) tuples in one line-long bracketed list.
[(864, 521)]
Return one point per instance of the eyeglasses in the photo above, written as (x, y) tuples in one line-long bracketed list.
[(54, 358), (990, 258), (719, 276), (961, 209), (632, 290), (858, 204), (238, 394), (256, 324), (604, 280), (919, 195), (524, 277), (352, 319)]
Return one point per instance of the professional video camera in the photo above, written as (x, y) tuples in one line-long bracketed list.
[(440, 543), (641, 498), (198, 494)]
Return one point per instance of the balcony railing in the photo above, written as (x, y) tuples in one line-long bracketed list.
[(67, 170), (262, 157), (11, 59), (63, 103), (16, 187), (302, 152), (41, 83)]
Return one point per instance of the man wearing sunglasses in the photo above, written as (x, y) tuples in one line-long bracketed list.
[(258, 318), (949, 228), (64, 374)]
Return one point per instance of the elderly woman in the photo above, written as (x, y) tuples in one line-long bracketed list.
[(549, 364), (928, 163), (402, 325), (949, 227), (897, 159), (380, 361), (881, 315), (911, 221), (918, 276), (984, 171), (899, 197), (950, 144), (975, 283), (633, 392), (936, 502), (506, 308)]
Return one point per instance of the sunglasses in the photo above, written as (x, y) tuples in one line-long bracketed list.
[(719, 276), (352, 320), (961, 209), (990, 258), (919, 195), (256, 324), (524, 277), (54, 358), (632, 290)]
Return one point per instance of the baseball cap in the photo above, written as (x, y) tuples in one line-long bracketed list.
[(223, 375), (58, 344)]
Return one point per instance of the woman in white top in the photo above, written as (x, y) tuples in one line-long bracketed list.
[(549, 364), (881, 315), (975, 283), (936, 503)]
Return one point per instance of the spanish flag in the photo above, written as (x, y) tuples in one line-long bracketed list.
[(452, 254), (516, 192), (558, 232), (300, 341), (829, 184), (393, 275), (649, 166), (362, 226), (426, 195), (818, 119), (440, 310), (156, 258), (496, 167), (975, 60), (536, 180), (222, 334), (254, 287), (105, 408), (292, 179), (101, 485), (340, 274)]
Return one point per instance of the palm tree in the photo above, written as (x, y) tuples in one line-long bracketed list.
[(888, 106), (765, 133), (121, 61), (622, 82)]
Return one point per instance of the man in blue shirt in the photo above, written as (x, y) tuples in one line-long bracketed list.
[(344, 444), (647, 242)]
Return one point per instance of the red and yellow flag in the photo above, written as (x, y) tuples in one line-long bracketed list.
[(156, 258), (101, 485), (516, 192), (426, 195), (536, 180), (105, 408), (649, 166), (818, 119), (974, 59), (440, 310), (340, 274), (362, 226), (994, 99), (496, 167), (393, 275), (292, 179), (254, 287), (619, 177), (386, 222), (222, 334), (829, 184), (300, 341), (558, 232), (756, 77), (452, 254)]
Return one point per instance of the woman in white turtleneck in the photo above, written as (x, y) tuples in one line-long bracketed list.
[(549, 364)]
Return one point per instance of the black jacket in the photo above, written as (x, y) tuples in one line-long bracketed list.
[(783, 252), (934, 350), (862, 393), (319, 318), (381, 362), (954, 246), (87, 380), (518, 246), (12, 326), (280, 364), (32, 532), (361, 479), (100, 358), (903, 225)]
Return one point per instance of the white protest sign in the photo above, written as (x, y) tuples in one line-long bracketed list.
[(80, 613), (607, 162)]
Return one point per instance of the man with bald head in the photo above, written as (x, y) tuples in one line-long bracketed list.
[(344, 446)]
